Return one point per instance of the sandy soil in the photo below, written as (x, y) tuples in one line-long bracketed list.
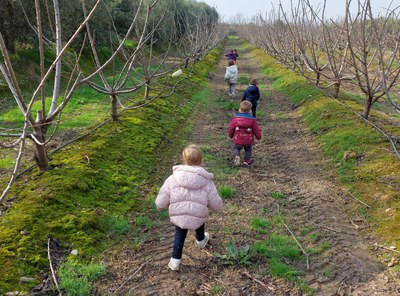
[(287, 160)]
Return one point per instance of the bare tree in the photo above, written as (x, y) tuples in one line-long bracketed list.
[(369, 48), (38, 127)]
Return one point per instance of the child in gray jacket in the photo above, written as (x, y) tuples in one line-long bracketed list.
[(231, 76), (188, 194)]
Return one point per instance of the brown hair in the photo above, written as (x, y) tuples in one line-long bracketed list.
[(253, 81), (192, 155), (245, 106), (231, 63)]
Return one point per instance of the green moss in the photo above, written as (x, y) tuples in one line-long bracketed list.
[(93, 184)]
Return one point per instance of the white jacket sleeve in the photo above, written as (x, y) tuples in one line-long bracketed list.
[(227, 75), (163, 197), (214, 200)]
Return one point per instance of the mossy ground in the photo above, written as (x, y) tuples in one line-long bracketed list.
[(364, 160), (92, 182)]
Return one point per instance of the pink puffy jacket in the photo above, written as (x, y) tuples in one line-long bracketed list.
[(188, 193)]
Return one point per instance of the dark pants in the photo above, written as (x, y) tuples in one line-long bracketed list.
[(247, 151), (180, 235), (254, 108)]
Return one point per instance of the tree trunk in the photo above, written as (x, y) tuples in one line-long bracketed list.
[(41, 157), (114, 107), (318, 78), (337, 89), (147, 90), (367, 107)]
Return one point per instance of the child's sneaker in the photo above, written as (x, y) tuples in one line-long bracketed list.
[(247, 161), (236, 162), (204, 242), (174, 264)]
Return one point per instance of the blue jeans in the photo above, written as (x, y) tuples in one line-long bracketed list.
[(247, 151), (179, 240)]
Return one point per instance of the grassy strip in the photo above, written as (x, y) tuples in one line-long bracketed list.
[(363, 159), (84, 200)]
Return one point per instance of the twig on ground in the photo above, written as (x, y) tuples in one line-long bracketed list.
[(291, 233), (254, 279), (51, 268), (130, 277), (331, 229), (355, 225), (357, 199), (386, 248)]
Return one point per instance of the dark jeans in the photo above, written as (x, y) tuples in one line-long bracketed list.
[(254, 108), (247, 151), (180, 235)]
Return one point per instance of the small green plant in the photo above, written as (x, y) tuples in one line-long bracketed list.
[(235, 255), (76, 278), (319, 249), (226, 192), (117, 224), (281, 115), (205, 148), (261, 225), (243, 79), (216, 289), (305, 230), (144, 221), (278, 195), (278, 268), (228, 105)]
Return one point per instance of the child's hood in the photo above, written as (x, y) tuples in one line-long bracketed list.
[(191, 176), (233, 69)]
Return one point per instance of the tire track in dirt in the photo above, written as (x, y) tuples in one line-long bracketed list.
[(287, 160)]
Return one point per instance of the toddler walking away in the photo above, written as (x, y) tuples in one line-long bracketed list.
[(252, 94), (242, 129), (231, 76), (188, 193), (230, 55), (235, 55)]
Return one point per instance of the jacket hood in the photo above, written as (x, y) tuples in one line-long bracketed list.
[(252, 90), (232, 69), (191, 176)]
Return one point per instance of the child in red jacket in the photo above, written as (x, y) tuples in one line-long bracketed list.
[(242, 129)]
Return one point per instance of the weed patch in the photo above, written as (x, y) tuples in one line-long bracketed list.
[(226, 192)]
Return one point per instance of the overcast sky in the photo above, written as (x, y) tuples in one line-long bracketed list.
[(228, 9)]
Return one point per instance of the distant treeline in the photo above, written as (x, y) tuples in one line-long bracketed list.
[(18, 21)]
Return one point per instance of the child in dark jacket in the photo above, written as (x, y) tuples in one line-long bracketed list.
[(230, 55), (242, 129), (235, 55), (252, 94)]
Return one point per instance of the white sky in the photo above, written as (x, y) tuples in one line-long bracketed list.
[(228, 9)]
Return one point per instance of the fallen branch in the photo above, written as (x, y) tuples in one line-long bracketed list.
[(51, 268), (130, 277), (291, 233), (254, 279)]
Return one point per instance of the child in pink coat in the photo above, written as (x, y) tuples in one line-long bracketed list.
[(188, 194)]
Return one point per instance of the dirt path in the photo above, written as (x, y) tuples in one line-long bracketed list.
[(287, 161)]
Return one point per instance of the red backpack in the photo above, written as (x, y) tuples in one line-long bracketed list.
[(243, 136)]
